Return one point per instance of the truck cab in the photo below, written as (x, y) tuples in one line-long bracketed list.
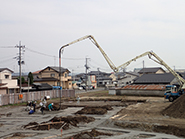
[(171, 92)]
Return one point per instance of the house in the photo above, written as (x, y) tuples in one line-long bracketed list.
[(95, 78), (7, 84), (165, 78), (50, 75), (128, 78), (155, 70)]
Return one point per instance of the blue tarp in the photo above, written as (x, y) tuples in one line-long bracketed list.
[(57, 87)]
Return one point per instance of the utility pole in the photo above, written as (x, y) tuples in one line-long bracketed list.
[(86, 68), (98, 76), (143, 66), (19, 63)]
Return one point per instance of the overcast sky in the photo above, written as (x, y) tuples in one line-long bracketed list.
[(123, 28)]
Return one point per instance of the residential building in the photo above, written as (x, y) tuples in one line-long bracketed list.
[(95, 78), (7, 84), (50, 75), (166, 78), (127, 78), (155, 70)]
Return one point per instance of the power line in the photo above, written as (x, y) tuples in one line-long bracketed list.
[(98, 64), (38, 52), (53, 56), (7, 46), (5, 60)]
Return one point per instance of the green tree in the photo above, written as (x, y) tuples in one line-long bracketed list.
[(30, 78), (22, 80)]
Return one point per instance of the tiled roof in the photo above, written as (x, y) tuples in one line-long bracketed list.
[(155, 79), (57, 69), (1, 69), (150, 70), (36, 72), (144, 87), (46, 79)]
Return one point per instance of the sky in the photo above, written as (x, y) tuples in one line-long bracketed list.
[(124, 29)]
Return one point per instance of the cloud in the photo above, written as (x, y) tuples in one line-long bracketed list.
[(123, 29)]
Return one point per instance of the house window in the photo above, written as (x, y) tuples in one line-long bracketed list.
[(6, 76), (65, 75), (52, 75)]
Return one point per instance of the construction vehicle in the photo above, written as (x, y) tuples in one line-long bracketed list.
[(172, 91), (112, 66)]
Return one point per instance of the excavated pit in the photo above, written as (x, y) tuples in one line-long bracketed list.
[(56, 107), (59, 122), (19, 135), (98, 110), (168, 129), (93, 134)]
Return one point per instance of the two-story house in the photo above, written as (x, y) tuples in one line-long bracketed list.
[(7, 84), (153, 70), (50, 75)]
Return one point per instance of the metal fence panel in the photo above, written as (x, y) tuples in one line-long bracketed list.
[(6, 99)]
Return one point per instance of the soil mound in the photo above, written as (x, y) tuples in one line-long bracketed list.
[(56, 107), (89, 135), (94, 110), (176, 109), (59, 122), (17, 136)]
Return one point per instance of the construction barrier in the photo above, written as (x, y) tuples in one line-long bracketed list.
[(15, 98)]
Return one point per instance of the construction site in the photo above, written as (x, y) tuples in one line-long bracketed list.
[(97, 115), (124, 114)]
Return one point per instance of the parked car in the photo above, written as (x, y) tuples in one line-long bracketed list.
[(80, 87), (89, 87)]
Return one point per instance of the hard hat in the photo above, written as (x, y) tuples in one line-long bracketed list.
[(51, 103)]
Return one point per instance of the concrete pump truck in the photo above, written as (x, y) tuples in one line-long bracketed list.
[(172, 91)]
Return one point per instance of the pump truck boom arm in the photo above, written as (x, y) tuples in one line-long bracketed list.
[(112, 66), (159, 61)]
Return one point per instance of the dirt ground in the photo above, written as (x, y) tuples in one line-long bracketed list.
[(142, 113), (150, 114)]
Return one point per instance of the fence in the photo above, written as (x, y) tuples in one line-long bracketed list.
[(6, 99)]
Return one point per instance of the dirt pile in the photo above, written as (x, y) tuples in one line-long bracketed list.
[(93, 134), (59, 122), (95, 110), (18, 136), (168, 129), (176, 109), (56, 107)]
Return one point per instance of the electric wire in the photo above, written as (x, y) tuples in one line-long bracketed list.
[(7, 46), (5, 60), (52, 55)]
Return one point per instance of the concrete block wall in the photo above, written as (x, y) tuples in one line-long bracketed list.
[(132, 92)]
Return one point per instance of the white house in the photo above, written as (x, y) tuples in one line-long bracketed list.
[(7, 84)]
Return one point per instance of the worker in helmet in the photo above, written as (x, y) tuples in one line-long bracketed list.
[(50, 106)]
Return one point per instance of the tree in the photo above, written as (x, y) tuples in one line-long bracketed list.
[(22, 80), (30, 78)]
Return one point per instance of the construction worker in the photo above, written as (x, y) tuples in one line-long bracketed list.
[(42, 107), (31, 111), (50, 106), (78, 99), (34, 105)]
